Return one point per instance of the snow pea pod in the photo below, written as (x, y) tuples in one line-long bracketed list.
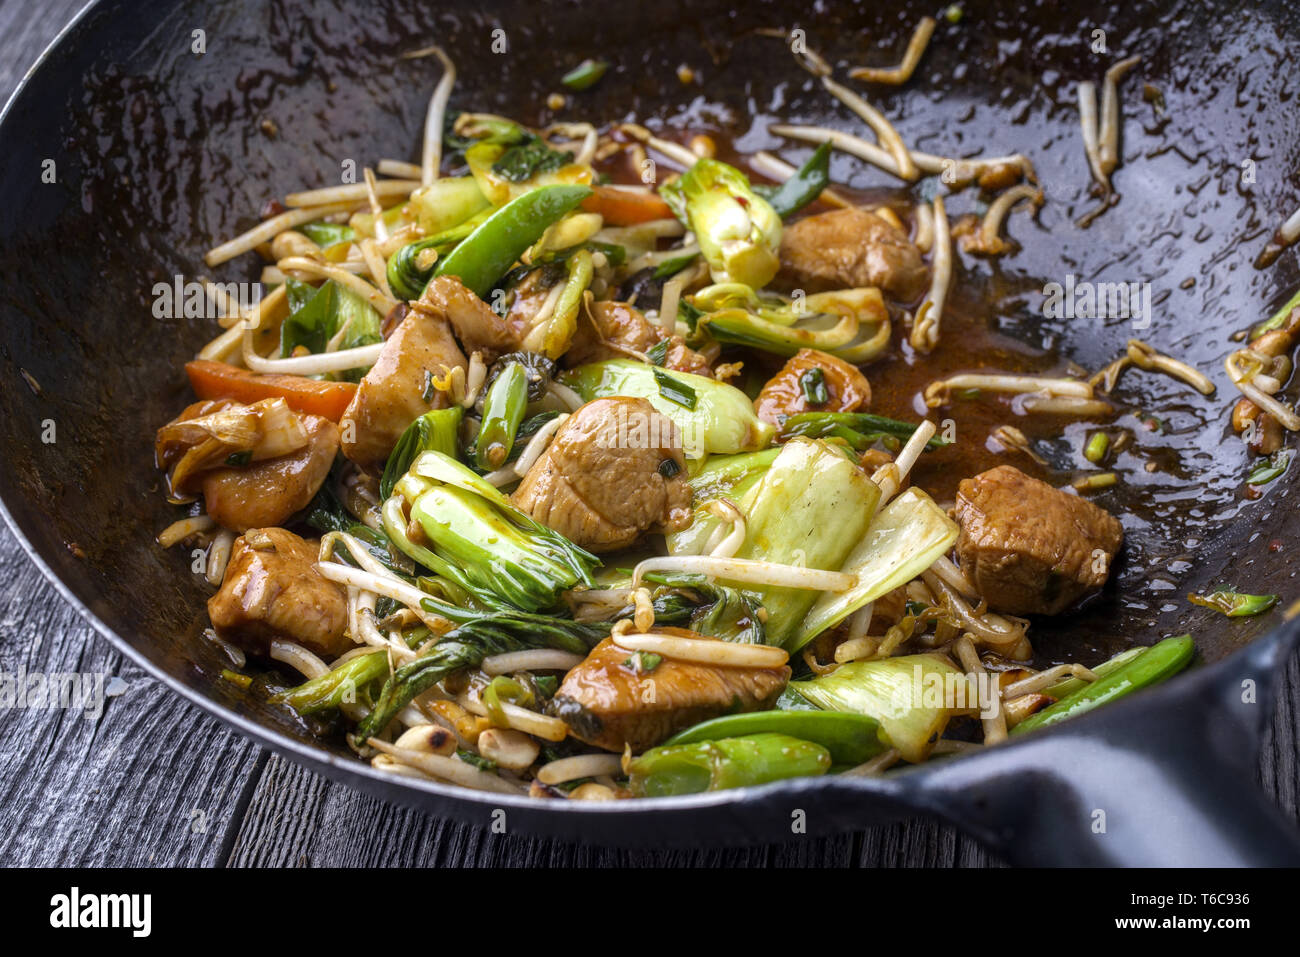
[(851, 739), (729, 763), (503, 410), (498, 242), (1160, 661), (804, 186)]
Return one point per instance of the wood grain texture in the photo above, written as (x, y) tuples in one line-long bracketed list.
[(152, 781)]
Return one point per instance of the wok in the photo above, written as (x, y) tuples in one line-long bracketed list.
[(160, 151)]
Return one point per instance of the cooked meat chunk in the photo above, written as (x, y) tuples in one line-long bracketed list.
[(849, 248), (393, 393), (614, 470), (268, 492), (847, 389), (615, 330), (606, 703), (478, 328), (1030, 548), (272, 590)]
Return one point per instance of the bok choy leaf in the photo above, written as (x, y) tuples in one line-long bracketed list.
[(720, 420)]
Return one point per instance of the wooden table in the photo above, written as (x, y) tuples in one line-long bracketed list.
[(154, 781)]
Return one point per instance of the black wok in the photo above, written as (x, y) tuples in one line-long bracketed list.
[(160, 151)]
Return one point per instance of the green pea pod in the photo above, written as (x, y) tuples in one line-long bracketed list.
[(803, 187), (1160, 661), (851, 739), (671, 770), (334, 687), (503, 410), (498, 242)]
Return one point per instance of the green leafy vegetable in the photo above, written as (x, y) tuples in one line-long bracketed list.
[(478, 635), (327, 234), (522, 162), (435, 431), (859, 429), (1162, 660), (811, 509), (738, 231), (852, 324), (411, 267), (339, 685), (319, 315), (478, 540), (904, 539), (912, 696), (722, 419), (748, 761)]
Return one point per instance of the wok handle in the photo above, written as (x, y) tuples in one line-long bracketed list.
[(1166, 778)]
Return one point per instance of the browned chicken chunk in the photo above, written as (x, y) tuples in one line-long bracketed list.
[(608, 704), (399, 388), (268, 492), (850, 248), (272, 590), (847, 389), (477, 326), (614, 470), (1029, 548), (615, 330)]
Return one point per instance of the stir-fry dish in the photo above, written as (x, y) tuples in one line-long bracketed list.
[(548, 465)]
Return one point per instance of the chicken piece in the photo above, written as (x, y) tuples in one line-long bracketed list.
[(272, 590), (478, 328), (399, 388), (1029, 548), (608, 704), (268, 492), (847, 388), (615, 330), (850, 248), (614, 470)]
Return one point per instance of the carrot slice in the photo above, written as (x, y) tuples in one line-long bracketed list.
[(217, 380), (625, 207)]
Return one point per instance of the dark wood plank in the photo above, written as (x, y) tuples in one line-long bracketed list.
[(149, 781)]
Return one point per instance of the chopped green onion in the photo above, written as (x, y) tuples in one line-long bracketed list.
[(1091, 482), (657, 353), (674, 390), (1270, 468), (671, 267), (235, 678), (813, 384), (1235, 604), (1097, 447), (239, 459), (643, 662), (585, 74)]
